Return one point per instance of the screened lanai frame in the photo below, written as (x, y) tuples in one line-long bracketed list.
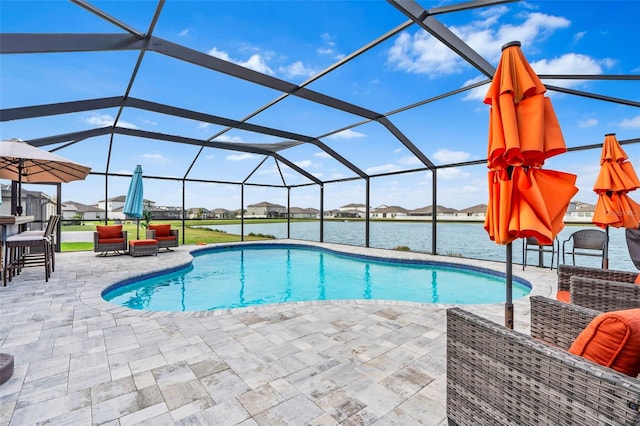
[(142, 43)]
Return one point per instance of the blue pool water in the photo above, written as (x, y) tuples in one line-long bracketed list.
[(249, 275)]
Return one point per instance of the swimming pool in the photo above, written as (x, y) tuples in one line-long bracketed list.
[(257, 274)]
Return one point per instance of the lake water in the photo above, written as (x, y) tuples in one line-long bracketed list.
[(457, 239)]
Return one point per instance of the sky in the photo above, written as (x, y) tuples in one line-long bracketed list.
[(294, 41)]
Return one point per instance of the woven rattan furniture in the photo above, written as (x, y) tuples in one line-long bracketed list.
[(165, 242), (50, 232), (586, 242), (600, 289), (497, 376), (146, 247), (115, 245)]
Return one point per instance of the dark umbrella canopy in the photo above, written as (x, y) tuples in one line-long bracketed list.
[(524, 199), (133, 203)]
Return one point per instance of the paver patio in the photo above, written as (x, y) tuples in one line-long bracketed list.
[(81, 360)]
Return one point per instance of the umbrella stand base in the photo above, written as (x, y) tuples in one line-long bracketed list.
[(508, 315)]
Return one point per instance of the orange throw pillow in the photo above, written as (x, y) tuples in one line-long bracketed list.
[(612, 339), (637, 281), (563, 296), (109, 231), (161, 230)]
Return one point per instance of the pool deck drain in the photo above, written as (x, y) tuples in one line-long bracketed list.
[(81, 360)]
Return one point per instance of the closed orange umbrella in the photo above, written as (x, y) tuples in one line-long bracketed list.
[(524, 200), (616, 178)]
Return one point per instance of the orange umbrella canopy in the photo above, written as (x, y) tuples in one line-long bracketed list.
[(524, 200), (615, 180)]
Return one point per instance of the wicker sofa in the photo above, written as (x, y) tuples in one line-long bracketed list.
[(599, 289), (497, 376)]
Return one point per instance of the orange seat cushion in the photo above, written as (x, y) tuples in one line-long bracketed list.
[(161, 230), (563, 296), (143, 243), (109, 231), (169, 238), (612, 339), (111, 240)]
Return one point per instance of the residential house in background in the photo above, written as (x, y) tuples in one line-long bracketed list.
[(389, 212), (300, 213), (478, 211), (266, 210), (352, 210), (199, 213), (428, 211), (221, 213), (580, 210), (75, 210)]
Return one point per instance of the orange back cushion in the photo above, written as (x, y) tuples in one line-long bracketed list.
[(612, 339), (109, 231), (161, 230), (637, 281)]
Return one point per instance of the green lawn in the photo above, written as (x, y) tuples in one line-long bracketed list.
[(192, 235)]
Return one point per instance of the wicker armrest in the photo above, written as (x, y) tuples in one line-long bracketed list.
[(151, 234), (497, 376), (603, 295), (558, 323), (565, 272)]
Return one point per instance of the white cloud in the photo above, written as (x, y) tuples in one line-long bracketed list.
[(571, 63), (203, 125), (446, 156), (579, 36), (297, 69), (255, 62), (384, 168), (184, 32), (106, 120), (155, 159), (478, 93), (227, 138), (322, 154), (420, 53), (240, 157), (347, 134), (410, 161), (631, 123), (589, 122), (303, 164), (452, 173)]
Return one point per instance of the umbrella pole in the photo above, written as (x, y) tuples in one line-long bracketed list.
[(605, 259), (508, 306), (137, 228)]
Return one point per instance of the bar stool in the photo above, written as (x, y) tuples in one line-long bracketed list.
[(23, 250)]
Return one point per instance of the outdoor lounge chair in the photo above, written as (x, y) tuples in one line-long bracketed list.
[(497, 376), (165, 236), (586, 242), (108, 238), (600, 289)]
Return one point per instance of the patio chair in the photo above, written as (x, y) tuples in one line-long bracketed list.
[(165, 236), (50, 232), (109, 238), (586, 242), (532, 244), (600, 289), (497, 376)]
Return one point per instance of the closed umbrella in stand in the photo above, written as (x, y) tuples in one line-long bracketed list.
[(615, 180), (133, 202), (524, 199)]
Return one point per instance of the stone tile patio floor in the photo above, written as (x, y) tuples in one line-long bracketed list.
[(80, 360)]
